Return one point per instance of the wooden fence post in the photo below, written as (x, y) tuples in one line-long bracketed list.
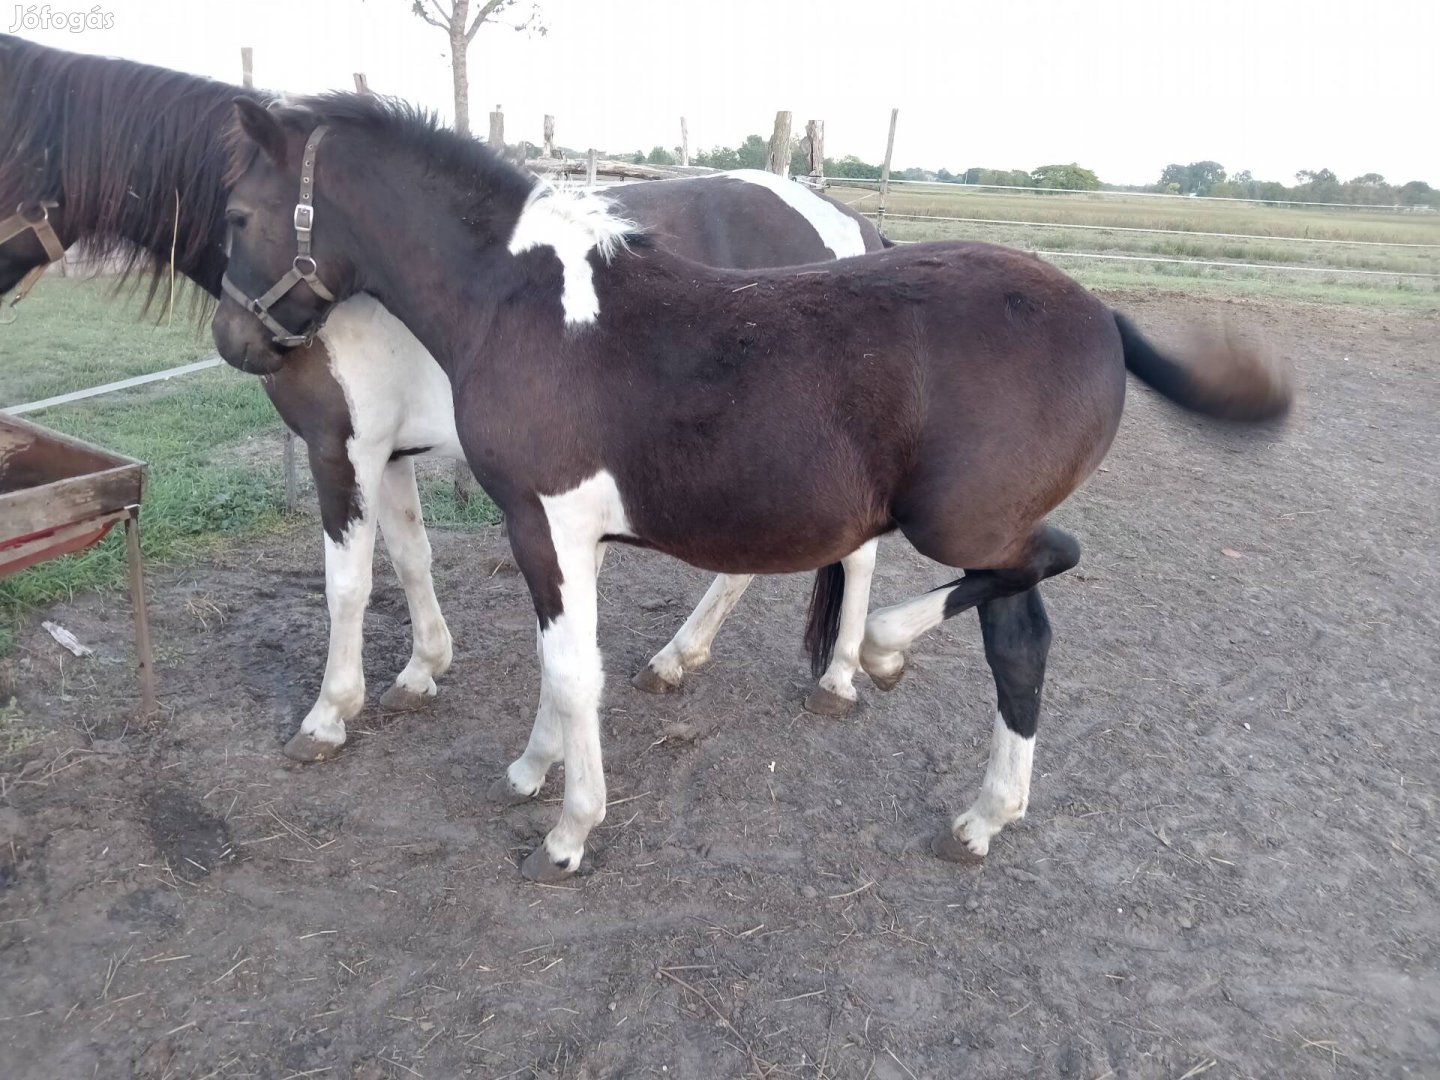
[(362, 84), (885, 172), (496, 141), (590, 167), (549, 150), (684, 143), (779, 159), (247, 66), (814, 146)]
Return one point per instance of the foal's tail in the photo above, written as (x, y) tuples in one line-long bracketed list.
[(1218, 378), (822, 623)]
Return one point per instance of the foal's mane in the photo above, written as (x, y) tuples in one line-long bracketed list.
[(119, 140), (485, 187)]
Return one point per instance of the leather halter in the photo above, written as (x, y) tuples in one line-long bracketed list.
[(23, 222), (302, 268)]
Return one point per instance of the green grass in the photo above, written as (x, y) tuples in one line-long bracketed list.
[(1276, 232), (1085, 208), (71, 334), (209, 481)]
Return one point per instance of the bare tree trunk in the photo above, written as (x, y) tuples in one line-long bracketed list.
[(779, 160), (459, 68)]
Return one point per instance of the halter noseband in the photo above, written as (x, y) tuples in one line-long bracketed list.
[(302, 268), (22, 222)]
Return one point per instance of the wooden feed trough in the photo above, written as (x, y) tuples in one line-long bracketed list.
[(59, 495)]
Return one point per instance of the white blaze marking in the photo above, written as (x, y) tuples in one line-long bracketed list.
[(837, 230), (572, 224)]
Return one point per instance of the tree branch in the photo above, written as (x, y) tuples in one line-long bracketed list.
[(443, 22), (491, 7)]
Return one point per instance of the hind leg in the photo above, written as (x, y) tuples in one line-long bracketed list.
[(835, 695), (690, 647), (890, 631), (1017, 641)]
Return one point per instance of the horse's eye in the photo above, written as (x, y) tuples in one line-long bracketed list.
[(236, 219)]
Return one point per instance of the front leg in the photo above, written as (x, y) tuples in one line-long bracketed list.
[(347, 510), (402, 524), (555, 540)]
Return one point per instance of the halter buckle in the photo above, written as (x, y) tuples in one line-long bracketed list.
[(304, 217), (310, 261), (27, 217)]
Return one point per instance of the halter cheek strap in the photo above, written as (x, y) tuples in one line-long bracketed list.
[(22, 222), (302, 268)]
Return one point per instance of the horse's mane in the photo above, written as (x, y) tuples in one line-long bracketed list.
[(120, 141), (413, 132)]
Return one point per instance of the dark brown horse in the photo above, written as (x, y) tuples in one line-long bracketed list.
[(758, 422), (105, 152)]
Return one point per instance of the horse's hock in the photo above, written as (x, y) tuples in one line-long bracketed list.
[(59, 495)]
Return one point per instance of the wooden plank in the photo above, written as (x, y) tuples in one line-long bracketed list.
[(27, 431), (51, 545), (627, 170), (66, 502)]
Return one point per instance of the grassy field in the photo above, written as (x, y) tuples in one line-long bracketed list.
[(211, 439), (1357, 240)]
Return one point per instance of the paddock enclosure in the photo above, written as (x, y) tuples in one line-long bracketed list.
[(1228, 868)]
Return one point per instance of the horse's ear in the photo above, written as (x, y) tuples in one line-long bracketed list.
[(261, 127)]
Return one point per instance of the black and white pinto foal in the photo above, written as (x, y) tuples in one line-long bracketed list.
[(771, 421), (368, 399)]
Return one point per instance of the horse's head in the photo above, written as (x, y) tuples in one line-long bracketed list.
[(286, 269)]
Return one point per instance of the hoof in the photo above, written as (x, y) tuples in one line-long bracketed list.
[(943, 845), (503, 793), (887, 682), (307, 748), (824, 702), (402, 699), (538, 867), (649, 680)]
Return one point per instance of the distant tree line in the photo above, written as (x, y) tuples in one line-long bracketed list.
[(1196, 178), (1311, 185)]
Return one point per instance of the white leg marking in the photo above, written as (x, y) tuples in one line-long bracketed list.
[(403, 526), (690, 647), (546, 746), (1004, 794), (859, 569), (347, 592), (571, 673), (890, 631)]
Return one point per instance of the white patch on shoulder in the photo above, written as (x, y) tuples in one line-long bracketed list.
[(837, 230), (572, 223)]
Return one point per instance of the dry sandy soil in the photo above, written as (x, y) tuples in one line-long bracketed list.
[(1229, 866)]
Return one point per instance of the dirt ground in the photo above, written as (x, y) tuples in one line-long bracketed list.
[(1229, 867)]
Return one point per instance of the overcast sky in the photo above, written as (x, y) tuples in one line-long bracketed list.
[(1120, 86)]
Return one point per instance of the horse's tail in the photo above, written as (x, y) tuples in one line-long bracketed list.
[(822, 623), (1218, 378)]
